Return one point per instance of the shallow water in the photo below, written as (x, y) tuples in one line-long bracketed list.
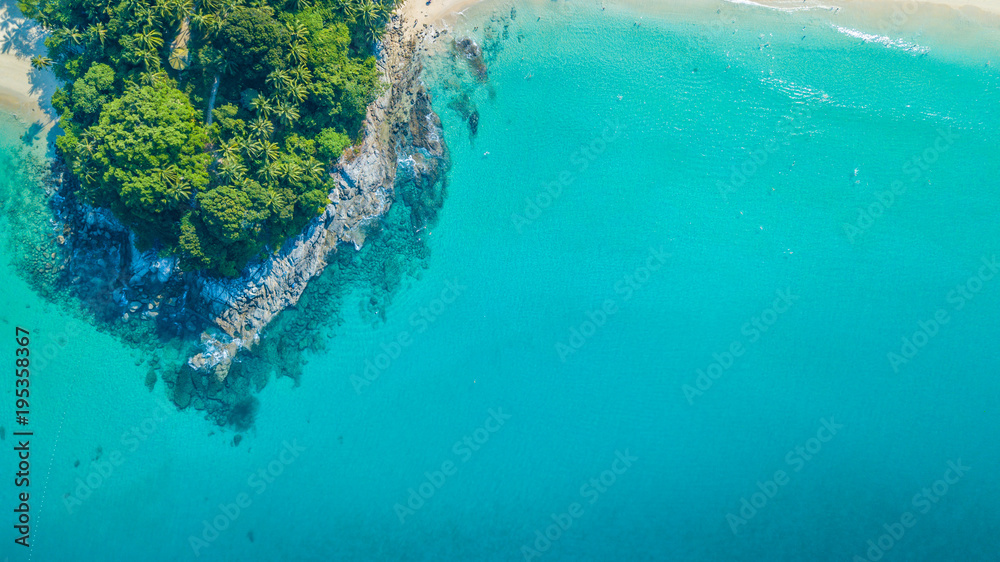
[(659, 201)]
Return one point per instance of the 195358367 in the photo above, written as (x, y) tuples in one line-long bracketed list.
[(22, 370)]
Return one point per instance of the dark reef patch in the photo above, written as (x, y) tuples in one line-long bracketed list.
[(394, 251), (241, 417), (467, 70), (474, 123)]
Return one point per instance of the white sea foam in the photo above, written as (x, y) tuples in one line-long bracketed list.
[(883, 40), (796, 91), (784, 6)]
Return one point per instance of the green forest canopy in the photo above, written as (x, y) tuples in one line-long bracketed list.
[(209, 126)]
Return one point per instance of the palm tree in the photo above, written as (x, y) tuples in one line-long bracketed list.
[(253, 147), (368, 11), (273, 200), (287, 113), (205, 22), (99, 31), (144, 15), (289, 171), (155, 76), (262, 127), (301, 74), (85, 146), (266, 171), (180, 190), (297, 53), (182, 9), (40, 62), (270, 151), (87, 174), (232, 170), (151, 62), (245, 183), (316, 169), (164, 10), (209, 5), (297, 92), (279, 80), (230, 150), (297, 29), (150, 38), (168, 175), (262, 106)]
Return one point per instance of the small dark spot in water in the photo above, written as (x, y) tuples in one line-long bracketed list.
[(474, 122), (695, 70), (243, 413), (237, 439), (77, 463), (341, 439), (250, 535), (3, 433), (98, 452)]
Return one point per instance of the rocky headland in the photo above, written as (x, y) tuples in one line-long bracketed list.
[(98, 261)]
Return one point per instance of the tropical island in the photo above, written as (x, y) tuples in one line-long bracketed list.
[(210, 127), (211, 161)]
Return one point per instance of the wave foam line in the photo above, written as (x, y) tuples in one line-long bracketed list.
[(883, 40)]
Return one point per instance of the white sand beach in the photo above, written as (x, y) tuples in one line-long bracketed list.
[(24, 91), (436, 11)]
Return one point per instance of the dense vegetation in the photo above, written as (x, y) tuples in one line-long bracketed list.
[(209, 126)]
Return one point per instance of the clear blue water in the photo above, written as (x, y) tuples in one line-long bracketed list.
[(588, 321)]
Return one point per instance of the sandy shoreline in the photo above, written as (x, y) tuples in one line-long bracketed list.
[(16, 91), (25, 91), (444, 11)]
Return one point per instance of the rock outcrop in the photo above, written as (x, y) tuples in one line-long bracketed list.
[(400, 126), (116, 281)]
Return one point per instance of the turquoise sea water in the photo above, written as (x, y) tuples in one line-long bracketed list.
[(659, 203)]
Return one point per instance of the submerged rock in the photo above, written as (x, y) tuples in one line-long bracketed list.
[(474, 55), (474, 123)]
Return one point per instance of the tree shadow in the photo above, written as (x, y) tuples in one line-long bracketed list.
[(22, 38), (19, 36), (32, 134)]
